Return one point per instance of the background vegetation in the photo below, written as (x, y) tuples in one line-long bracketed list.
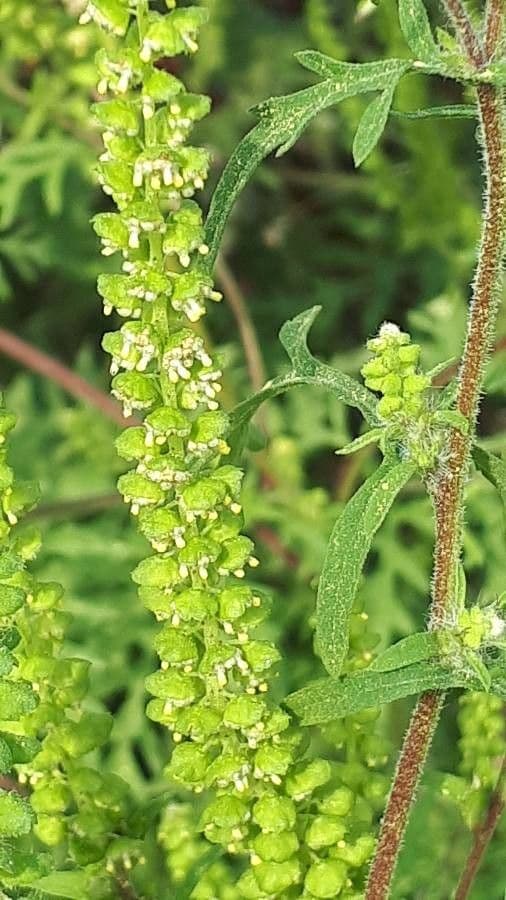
[(395, 240)]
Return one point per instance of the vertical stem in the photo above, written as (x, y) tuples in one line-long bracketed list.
[(449, 496), (494, 19), (483, 835)]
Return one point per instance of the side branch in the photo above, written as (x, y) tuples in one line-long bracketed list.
[(483, 835), (494, 22), (463, 27)]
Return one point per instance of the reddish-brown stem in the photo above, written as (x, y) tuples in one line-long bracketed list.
[(409, 770), (462, 24), (494, 19), (483, 835), (45, 365), (449, 494)]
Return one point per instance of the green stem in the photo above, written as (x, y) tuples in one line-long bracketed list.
[(449, 494)]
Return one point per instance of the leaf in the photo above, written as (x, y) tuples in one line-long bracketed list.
[(492, 467), (372, 125), (16, 815), (330, 698), (363, 440), (347, 551), (16, 699), (306, 369), (282, 121), (415, 648), (72, 885), (416, 29), (455, 111)]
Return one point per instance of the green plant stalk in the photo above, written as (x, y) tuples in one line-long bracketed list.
[(449, 493)]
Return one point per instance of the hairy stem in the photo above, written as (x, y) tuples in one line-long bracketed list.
[(449, 496), (494, 18), (483, 835)]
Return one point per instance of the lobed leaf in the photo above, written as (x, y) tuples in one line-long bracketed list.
[(282, 121), (347, 551), (306, 369), (331, 698)]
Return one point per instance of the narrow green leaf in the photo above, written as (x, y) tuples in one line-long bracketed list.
[(72, 885), (455, 111), (415, 648), (306, 369), (492, 467), (330, 698), (372, 125), (347, 551), (355, 77), (282, 121), (416, 29), (363, 440)]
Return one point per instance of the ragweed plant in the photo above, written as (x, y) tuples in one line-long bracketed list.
[(62, 824), (264, 812), (212, 689)]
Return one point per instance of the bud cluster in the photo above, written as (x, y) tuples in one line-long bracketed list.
[(211, 690), (406, 408), (483, 738), (45, 733)]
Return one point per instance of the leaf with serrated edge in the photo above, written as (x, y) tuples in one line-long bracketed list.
[(306, 369), (331, 698), (414, 648), (416, 29), (347, 551), (282, 121), (372, 125)]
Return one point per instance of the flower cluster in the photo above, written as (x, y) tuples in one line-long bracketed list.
[(394, 373), (45, 733), (482, 742), (406, 407), (211, 689)]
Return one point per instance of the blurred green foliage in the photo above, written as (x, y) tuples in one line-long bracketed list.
[(394, 240)]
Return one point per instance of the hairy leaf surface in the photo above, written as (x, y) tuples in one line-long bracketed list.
[(347, 551)]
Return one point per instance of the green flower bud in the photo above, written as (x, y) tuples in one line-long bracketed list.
[(51, 830), (244, 712), (355, 854), (324, 831), (225, 816), (176, 688), (188, 765), (307, 777), (157, 572), (275, 847), (176, 648), (273, 760), (274, 813), (338, 803), (50, 796), (326, 878), (275, 878)]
